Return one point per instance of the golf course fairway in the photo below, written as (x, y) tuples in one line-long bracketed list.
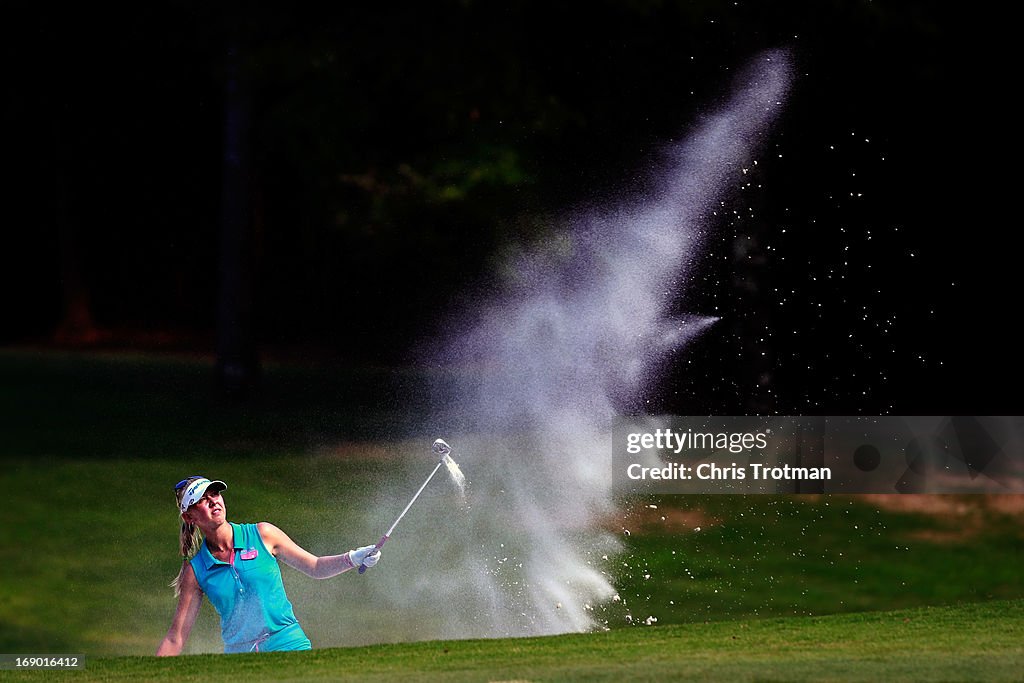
[(979, 641)]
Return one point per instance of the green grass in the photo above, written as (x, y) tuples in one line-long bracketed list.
[(91, 445), (976, 642), (807, 555), (96, 549), (96, 541), (88, 534)]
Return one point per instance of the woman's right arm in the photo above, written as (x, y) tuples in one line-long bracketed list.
[(190, 599)]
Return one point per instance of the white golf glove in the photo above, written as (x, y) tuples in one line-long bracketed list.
[(368, 555)]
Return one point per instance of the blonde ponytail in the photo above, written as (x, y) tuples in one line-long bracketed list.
[(190, 539)]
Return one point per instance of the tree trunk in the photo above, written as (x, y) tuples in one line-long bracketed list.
[(76, 326), (238, 365)]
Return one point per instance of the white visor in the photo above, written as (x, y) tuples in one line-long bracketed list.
[(197, 490)]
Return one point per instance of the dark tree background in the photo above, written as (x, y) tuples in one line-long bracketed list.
[(391, 153)]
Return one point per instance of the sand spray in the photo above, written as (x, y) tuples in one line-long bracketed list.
[(533, 378)]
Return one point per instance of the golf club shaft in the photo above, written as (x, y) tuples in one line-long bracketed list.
[(385, 537), (392, 529)]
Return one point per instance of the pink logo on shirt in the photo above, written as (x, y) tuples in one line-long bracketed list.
[(250, 554)]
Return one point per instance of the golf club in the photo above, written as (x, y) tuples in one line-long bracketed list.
[(442, 449)]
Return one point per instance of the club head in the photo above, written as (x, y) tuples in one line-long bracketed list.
[(441, 447)]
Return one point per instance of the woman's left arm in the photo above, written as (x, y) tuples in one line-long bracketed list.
[(294, 555)]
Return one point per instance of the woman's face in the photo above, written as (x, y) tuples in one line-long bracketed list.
[(207, 510)]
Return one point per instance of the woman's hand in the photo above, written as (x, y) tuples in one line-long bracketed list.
[(366, 556)]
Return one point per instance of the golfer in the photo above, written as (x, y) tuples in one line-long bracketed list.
[(235, 565)]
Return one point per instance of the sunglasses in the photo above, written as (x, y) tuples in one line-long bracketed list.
[(180, 484)]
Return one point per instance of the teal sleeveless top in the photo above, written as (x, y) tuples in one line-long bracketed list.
[(248, 594)]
